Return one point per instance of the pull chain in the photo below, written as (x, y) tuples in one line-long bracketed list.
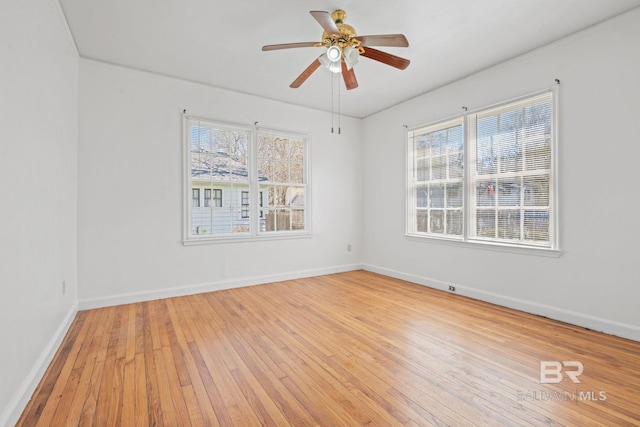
[(339, 113), (332, 102)]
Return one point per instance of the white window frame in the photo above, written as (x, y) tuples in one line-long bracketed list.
[(551, 250), (445, 180), (256, 232)]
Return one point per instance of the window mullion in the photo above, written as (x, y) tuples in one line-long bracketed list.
[(254, 191), (469, 160)]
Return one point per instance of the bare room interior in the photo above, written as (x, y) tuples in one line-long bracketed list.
[(319, 213)]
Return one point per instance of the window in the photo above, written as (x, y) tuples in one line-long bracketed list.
[(281, 161), (195, 197), (245, 204), (438, 180), (242, 163), (502, 193), (217, 198)]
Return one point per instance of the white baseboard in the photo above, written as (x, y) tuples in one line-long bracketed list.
[(20, 399), (86, 304), (623, 330)]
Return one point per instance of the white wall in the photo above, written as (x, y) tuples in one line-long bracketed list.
[(595, 283), (103, 208), (131, 190), (38, 189)]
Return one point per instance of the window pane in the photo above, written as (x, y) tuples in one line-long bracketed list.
[(270, 199), (265, 170), (509, 224), (536, 190), (455, 142), (538, 136), (486, 145), (279, 220), (439, 143), (509, 192), (201, 222), (536, 225), (455, 166), (455, 195), (281, 172), (282, 197), (538, 152), (437, 196), (486, 223), (509, 141), (422, 196), (297, 151), (485, 193), (422, 170), (269, 218), (297, 173), (297, 219), (200, 137), (454, 222), (438, 167), (422, 145), (437, 221), (265, 147), (422, 221), (281, 149)]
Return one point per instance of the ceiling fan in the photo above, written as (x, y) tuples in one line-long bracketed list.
[(343, 47)]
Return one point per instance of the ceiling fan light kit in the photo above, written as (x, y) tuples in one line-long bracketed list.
[(344, 48), (331, 59)]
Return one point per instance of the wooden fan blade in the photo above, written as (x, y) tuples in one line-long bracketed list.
[(305, 74), (386, 58), (396, 40), (349, 77), (325, 21), (289, 45)]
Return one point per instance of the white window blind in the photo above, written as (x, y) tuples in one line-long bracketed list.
[(511, 180), (436, 189), (219, 161), (492, 182)]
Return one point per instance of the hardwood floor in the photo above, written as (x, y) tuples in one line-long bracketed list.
[(348, 349)]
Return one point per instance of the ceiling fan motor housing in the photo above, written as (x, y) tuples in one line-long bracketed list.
[(347, 33)]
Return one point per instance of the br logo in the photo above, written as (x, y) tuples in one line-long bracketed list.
[(551, 371)]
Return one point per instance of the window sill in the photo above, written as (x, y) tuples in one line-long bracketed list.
[(209, 240), (492, 246)]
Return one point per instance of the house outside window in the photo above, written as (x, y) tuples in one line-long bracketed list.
[(487, 176), (254, 181)]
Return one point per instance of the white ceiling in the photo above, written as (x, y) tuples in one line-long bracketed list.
[(219, 42)]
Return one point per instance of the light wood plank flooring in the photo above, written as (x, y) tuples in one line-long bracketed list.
[(348, 349)]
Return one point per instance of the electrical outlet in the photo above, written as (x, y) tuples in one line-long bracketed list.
[(64, 287), (349, 247), (452, 288)]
